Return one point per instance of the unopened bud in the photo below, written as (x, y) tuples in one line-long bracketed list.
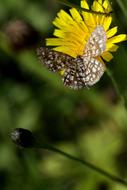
[(23, 137)]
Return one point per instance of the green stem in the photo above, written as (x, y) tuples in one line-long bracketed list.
[(64, 2), (25, 138), (85, 163), (116, 87)]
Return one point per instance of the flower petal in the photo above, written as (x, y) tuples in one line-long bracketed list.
[(118, 38), (107, 56), (66, 50), (109, 45), (84, 4), (59, 23), (114, 48), (107, 22), (78, 19), (111, 32), (64, 16), (101, 60), (107, 6), (59, 33), (97, 6), (54, 41), (63, 20), (102, 19), (100, 1), (88, 17), (75, 15)]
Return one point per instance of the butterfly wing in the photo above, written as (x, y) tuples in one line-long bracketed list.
[(53, 60), (73, 69), (80, 74), (96, 44), (74, 75), (94, 70), (83, 71)]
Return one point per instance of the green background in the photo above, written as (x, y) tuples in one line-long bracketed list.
[(91, 124)]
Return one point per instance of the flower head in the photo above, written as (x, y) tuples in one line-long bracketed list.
[(81, 40), (74, 29)]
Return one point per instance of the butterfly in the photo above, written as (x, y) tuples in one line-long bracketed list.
[(83, 71)]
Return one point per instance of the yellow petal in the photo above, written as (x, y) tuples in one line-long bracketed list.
[(100, 1), (114, 48), (109, 45), (66, 50), (118, 38), (100, 60), (107, 56), (111, 32), (84, 4), (59, 23), (78, 19), (54, 41), (64, 16), (97, 19), (107, 6), (84, 27), (75, 14), (64, 42), (102, 19), (107, 22), (66, 25), (88, 17), (59, 33), (63, 20), (97, 6)]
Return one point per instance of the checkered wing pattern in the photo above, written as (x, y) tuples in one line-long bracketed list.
[(53, 60), (93, 71), (74, 75), (80, 72), (74, 70), (96, 44)]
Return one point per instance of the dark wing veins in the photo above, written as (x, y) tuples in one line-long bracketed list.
[(53, 60), (74, 75)]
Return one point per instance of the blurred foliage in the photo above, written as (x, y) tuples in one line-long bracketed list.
[(91, 124)]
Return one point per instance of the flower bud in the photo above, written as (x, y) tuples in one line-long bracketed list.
[(23, 138)]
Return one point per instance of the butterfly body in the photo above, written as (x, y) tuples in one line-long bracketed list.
[(80, 72)]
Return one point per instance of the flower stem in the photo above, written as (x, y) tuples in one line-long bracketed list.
[(116, 87), (25, 138), (87, 164), (64, 2)]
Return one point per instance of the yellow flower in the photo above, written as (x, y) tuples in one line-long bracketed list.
[(82, 39), (74, 29)]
